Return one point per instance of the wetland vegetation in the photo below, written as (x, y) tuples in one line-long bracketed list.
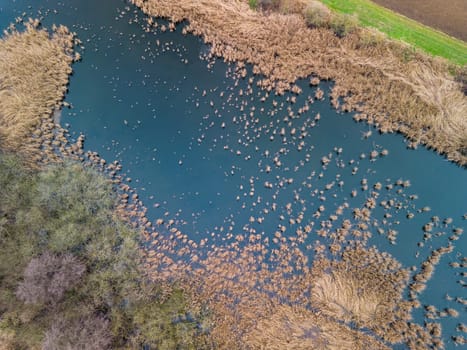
[(83, 267), (34, 69), (389, 84)]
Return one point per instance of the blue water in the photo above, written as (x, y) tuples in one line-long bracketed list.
[(197, 152)]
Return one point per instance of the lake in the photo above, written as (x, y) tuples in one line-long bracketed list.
[(221, 157)]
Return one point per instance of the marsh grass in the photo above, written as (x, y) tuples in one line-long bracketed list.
[(298, 329), (364, 289), (34, 68)]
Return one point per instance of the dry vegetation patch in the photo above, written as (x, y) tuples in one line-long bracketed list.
[(34, 70), (298, 329), (351, 301), (365, 288)]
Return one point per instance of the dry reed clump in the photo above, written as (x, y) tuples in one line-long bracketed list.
[(371, 37), (298, 329), (461, 78), (34, 70), (364, 288), (342, 297), (282, 6), (292, 6), (316, 14), (343, 24), (385, 82)]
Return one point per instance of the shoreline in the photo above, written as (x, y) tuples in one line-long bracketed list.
[(386, 84), (228, 278)]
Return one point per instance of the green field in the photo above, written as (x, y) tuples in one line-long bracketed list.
[(400, 27)]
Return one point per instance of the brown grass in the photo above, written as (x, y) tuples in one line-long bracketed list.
[(254, 307), (364, 288), (34, 70), (387, 83), (290, 328), (340, 295)]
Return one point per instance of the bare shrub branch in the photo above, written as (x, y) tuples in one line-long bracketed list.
[(48, 277)]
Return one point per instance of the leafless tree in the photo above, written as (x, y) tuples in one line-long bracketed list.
[(85, 333), (48, 277)]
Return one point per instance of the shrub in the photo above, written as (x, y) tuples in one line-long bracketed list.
[(253, 4), (48, 277), (461, 77), (371, 37), (76, 202), (16, 183), (85, 333), (269, 4), (343, 24), (316, 14), (58, 228), (165, 325), (67, 187)]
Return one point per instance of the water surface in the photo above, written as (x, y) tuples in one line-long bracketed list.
[(221, 161)]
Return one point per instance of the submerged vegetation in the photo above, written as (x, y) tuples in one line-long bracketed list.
[(70, 268)]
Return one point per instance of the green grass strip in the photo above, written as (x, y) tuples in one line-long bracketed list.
[(399, 27)]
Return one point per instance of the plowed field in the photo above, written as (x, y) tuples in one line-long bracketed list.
[(447, 16)]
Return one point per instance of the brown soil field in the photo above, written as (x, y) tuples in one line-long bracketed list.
[(447, 16)]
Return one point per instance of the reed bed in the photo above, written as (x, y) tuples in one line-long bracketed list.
[(292, 328), (365, 288), (256, 306), (34, 68), (387, 83)]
